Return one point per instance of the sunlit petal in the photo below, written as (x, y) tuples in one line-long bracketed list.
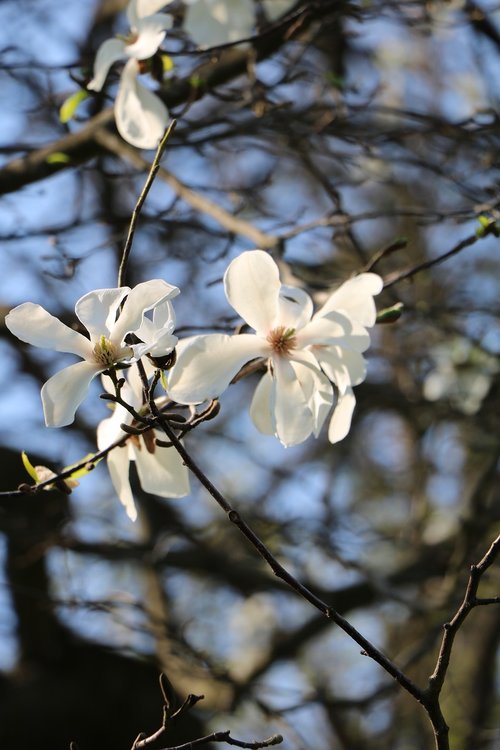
[(206, 365), (34, 325), (295, 307), (162, 472), (340, 422), (108, 53), (260, 409), (63, 393), (141, 117), (334, 328), (97, 310), (151, 34), (141, 298), (252, 287), (355, 298)]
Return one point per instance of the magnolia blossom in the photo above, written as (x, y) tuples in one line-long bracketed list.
[(305, 352), (161, 470), (106, 347), (213, 22), (141, 117)]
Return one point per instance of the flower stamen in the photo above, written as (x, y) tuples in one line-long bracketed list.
[(282, 340), (105, 352)]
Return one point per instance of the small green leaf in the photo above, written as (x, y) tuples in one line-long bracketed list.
[(390, 314), (71, 104), (58, 157), (487, 226), (91, 463), (29, 467)]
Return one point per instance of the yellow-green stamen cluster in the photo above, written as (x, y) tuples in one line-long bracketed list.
[(282, 340)]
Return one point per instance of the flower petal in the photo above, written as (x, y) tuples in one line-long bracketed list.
[(63, 393), (206, 365), (141, 117), (295, 307), (148, 7), (340, 422), (34, 325), (108, 53), (343, 366), (162, 472), (334, 328), (158, 332), (118, 467), (97, 310), (355, 298), (141, 298), (260, 408), (151, 33), (317, 389), (252, 286), (292, 413)]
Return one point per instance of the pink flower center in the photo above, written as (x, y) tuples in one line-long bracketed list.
[(282, 340)]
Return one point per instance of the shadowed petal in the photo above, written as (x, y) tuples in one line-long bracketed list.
[(292, 413), (108, 53), (162, 472), (295, 307), (260, 409), (34, 325), (206, 365), (340, 422), (141, 117), (344, 367), (118, 467), (317, 389), (148, 7), (252, 285), (63, 393), (334, 328), (355, 298)]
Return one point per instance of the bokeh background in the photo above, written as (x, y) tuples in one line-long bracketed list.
[(350, 136)]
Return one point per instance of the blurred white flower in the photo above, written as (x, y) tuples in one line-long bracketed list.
[(304, 351), (213, 22), (106, 347), (141, 117), (160, 470)]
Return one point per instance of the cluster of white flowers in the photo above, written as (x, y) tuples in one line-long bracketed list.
[(141, 117), (312, 361)]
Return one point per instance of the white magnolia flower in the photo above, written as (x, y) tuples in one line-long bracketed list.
[(141, 117), (106, 347), (304, 351), (161, 470), (213, 22)]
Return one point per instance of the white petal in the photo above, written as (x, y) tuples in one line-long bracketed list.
[(261, 408), (355, 298), (141, 298), (34, 325), (340, 423), (206, 365), (148, 7), (151, 33), (334, 328), (292, 413), (344, 367), (108, 53), (317, 389), (158, 332), (141, 117), (63, 393), (295, 307), (97, 310), (118, 467), (252, 286), (162, 472)]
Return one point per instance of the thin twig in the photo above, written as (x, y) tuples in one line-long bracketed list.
[(153, 171)]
